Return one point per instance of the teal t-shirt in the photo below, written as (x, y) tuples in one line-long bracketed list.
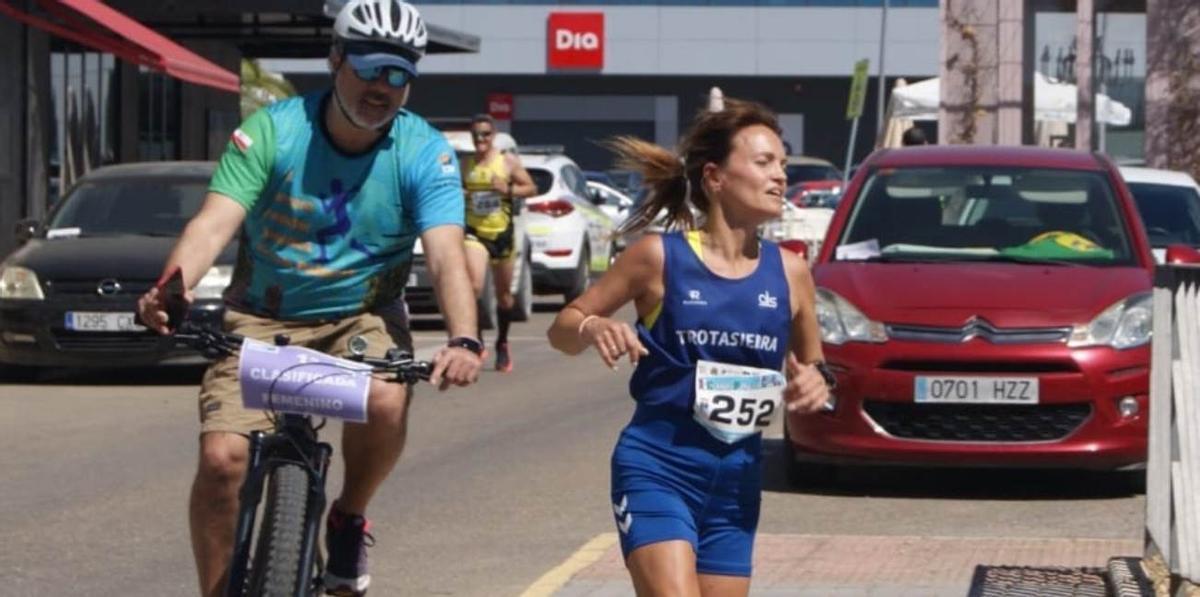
[(329, 234)]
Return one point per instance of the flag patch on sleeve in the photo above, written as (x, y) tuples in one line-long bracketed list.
[(242, 140)]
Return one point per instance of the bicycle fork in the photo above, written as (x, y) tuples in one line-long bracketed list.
[(251, 495)]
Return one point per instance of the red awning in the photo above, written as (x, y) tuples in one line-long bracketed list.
[(96, 25)]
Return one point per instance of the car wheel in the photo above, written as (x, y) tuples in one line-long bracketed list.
[(486, 305), (19, 373), (523, 306), (802, 475), (583, 275), (1131, 482)]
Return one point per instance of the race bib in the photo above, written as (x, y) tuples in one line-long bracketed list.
[(734, 402), (485, 203)]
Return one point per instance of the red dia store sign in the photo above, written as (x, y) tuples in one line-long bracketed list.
[(500, 106), (575, 41)]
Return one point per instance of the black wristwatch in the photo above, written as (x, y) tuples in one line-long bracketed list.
[(468, 343), (827, 373)]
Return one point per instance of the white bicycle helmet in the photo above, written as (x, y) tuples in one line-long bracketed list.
[(379, 33)]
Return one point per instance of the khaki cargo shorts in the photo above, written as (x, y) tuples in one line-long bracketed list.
[(220, 394)]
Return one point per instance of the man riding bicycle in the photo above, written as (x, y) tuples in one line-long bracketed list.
[(328, 193)]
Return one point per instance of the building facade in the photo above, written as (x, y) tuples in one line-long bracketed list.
[(645, 68)]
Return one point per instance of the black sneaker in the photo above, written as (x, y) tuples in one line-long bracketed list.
[(503, 358), (346, 540)]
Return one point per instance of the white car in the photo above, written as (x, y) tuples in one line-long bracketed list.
[(1169, 203), (569, 237), (801, 229), (615, 204)]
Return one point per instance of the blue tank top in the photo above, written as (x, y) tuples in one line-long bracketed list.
[(704, 316)]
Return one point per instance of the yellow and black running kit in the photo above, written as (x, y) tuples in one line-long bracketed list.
[(489, 213)]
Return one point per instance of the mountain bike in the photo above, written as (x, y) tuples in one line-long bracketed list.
[(291, 463), (280, 558)]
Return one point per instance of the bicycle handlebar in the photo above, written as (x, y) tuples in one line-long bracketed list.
[(216, 343)]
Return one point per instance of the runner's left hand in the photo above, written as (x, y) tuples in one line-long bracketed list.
[(806, 391), (455, 365)]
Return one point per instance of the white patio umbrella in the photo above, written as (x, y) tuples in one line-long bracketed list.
[(893, 131), (1054, 101), (716, 100)]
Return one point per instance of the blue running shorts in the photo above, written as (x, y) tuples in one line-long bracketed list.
[(671, 480)]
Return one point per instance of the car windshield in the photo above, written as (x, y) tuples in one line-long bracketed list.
[(1171, 213), (807, 172), (988, 214), (543, 179), (626, 180), (148, 206)]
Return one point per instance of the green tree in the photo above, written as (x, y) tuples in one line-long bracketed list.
[(261, 87)]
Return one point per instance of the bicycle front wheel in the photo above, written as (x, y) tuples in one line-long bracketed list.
[(276, 568)]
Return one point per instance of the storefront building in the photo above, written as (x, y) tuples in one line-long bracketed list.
[(89, 83), (644, 68)]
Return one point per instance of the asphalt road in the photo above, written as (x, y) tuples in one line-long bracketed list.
[(499, 483)]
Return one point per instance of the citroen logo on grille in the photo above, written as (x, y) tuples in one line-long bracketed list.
[(976, 326), (108, 287)]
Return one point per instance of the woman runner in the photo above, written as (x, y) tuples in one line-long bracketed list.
[(721, 315)]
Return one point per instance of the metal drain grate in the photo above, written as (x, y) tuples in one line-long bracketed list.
[(1127, 579), (1021, 581)]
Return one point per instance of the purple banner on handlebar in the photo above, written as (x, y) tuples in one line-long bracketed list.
[(301, 380)]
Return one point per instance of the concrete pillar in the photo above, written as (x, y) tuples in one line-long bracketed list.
[(1085, 44), (1015, 82), (24, 126), (1173, 85), (969, 72), (130, 112), (12, 130)]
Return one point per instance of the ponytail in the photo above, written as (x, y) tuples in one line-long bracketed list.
[(664, 176), (674, 181)]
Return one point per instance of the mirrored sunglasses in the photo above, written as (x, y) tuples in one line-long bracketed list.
[(395, 77)]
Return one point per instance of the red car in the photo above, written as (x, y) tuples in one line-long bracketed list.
[(982, 306)]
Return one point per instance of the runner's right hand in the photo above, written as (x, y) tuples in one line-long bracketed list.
[(152, 310), (613, 339)]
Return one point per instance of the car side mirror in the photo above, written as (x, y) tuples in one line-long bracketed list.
[(1181, 254), (593, 195), (25, 230)]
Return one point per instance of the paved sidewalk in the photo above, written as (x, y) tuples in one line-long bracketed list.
[(848, 566)]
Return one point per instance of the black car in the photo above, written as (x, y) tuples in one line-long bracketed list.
[(68, 292)]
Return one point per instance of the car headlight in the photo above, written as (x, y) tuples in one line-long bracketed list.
[(842, 322), (1126, 324), (213, 283), (19, 283)]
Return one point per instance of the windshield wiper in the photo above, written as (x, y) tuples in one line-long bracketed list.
[(898, 258), (1002, 258)]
